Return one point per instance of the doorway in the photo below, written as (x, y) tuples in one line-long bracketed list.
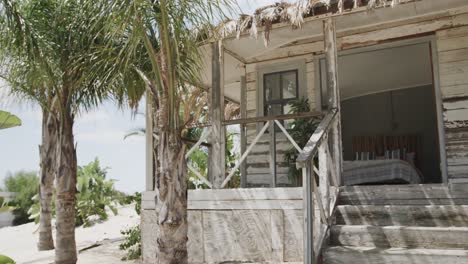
[(390, 116)]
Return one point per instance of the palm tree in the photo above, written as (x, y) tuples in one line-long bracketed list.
[(48, 46), (25, 76), (164, 29)]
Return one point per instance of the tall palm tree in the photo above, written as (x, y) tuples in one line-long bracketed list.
[(19, 57), (48, 46), (165, 31)]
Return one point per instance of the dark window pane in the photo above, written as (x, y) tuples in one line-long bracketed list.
[(289, 84), (275, 109), (272, 87)]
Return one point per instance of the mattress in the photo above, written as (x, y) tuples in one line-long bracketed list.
[(379, 171)]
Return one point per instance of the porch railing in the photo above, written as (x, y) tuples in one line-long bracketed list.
[(269, 122), (316, 160)]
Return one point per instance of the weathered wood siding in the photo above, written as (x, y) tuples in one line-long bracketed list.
[(258, 168), (452, 47), (242, 225), (450, 28)]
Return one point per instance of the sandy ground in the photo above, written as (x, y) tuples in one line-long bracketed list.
[(19, 242)]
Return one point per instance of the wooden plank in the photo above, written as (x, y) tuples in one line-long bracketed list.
[(454, 91), (277, 235), (243, 134), (402, 192), (453, 67), (453, 55), (264, 180), (433, 215), (272, 154), (246, 194), (400, 237), (271, 118), (237, 236), (455, 32), (452, 43), (293, 235), (315, 140), (324, 179), (195, 243), (149, 235), (217, 170), (366, 255), (288, 52), (331, 55), (149, 145), (245, 205)]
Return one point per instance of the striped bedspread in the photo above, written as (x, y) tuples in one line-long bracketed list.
[(379, 171)]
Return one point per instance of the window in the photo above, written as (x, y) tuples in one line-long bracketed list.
[(280, 88)]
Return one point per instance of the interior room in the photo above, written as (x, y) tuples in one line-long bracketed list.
[(389, 116)]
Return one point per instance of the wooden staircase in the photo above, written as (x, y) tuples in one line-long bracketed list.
[(417, 224)]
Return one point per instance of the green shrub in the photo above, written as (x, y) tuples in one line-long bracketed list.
[(95, 194), (25, 185), (301, 130), (132, 243), (6, 260)]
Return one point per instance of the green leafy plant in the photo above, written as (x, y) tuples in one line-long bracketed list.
[(8, 120), (300, 130), (96, 195), (25, 186), (132, 241), (199, 160), (6, 260)]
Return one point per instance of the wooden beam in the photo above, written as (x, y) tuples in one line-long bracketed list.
[(235, 55), (261, 119), (149, 144), (331, 54), (243, 132), (218, 137)]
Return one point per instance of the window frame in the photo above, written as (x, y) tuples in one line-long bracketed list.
[(272, 67), (282, 101)]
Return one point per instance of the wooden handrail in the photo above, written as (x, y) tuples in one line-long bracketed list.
[(272, 118), (311, 148)]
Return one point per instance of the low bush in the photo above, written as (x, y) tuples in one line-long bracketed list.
[(96, 194), (132, 242), (26, 186)]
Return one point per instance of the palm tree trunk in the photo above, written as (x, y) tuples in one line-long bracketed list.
[(47, 152), (65, 250), (171, 182)]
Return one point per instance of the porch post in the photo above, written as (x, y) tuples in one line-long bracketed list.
[(218, 152), (149, 144), (243, 134), (331, 51)]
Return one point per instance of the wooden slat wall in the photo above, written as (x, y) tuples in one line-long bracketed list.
[(258, 170), (452, 45), (451, 29), (235, 225)]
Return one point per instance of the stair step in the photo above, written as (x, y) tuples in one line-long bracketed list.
[(419, 194), (372, 255), (399, 237), (433, 215)]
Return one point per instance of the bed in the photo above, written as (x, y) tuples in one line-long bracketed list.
[(392, 171), (383, 160)]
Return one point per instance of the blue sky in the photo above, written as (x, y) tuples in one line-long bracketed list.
[(98, 133)]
